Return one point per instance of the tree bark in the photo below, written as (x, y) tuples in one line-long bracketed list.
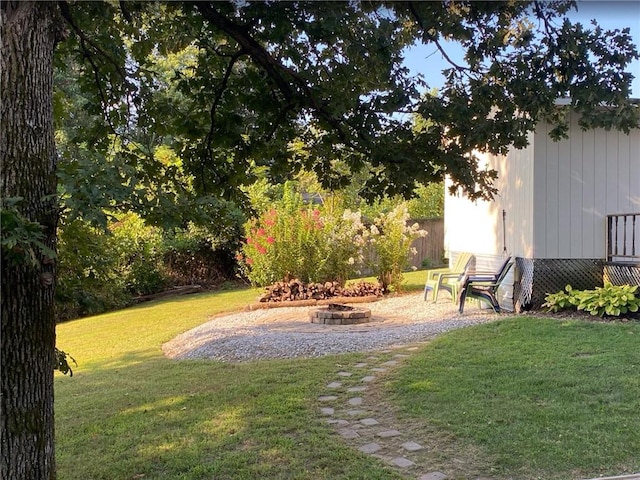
[(29, 32)]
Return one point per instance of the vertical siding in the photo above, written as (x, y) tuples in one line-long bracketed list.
[(576, 201), (587, 176), (563, 184), (600, 196), (547, 217), (477, 227), (624, 169), (588, 197)]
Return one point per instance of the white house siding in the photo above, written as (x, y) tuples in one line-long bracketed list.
[(478, 226), (577, 182)]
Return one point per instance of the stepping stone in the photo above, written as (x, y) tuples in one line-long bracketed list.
[(355, 413), (372, 358), (401, 355), (432, 476), (368, 378), (355, 402), (412, 349), (348, 433), (327, 411), (370, 448), (379, 369), (389, 433), (334, 385), (390, 363), (339, 423), (357, 389), (369, 422), (360, 365), (327, 398), (412, 446), (402, 462), (344, 374)]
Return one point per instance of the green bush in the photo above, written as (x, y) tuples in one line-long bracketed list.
[(139, 248), (388, 243), (294, 240), (610, 300), (562, 300), (317, 244), (89, 279)]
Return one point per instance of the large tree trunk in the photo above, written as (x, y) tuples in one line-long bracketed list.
[(28, 157)]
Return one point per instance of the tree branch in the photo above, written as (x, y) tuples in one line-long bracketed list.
[(282, 76), (219, 93), (418, 20)]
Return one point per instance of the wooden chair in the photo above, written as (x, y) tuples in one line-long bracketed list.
[(484, 286), (448, 278)]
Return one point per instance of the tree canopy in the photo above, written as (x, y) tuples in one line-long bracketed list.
[(233, 85)]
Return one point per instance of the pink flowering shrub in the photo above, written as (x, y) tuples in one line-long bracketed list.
[(311, 244), (285, 242)]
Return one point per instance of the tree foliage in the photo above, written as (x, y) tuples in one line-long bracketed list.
[(233, 85)]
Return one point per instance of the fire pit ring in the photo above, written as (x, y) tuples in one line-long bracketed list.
[(340, 314)]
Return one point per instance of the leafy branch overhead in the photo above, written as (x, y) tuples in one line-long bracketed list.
[(233, 85)]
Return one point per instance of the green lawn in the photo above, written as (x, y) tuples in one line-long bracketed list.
[(130, 413), (547, 399)]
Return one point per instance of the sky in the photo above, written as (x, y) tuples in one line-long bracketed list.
[(609, 15)]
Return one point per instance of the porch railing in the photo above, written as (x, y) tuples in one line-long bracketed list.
[(623, 237)]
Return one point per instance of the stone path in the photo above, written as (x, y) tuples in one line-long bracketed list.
[(349, 406)]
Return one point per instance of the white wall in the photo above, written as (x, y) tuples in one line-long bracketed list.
[(478, 226), (577, 182), (555, 195)]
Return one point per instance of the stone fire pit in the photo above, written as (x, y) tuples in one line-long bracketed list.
[(339, 314)]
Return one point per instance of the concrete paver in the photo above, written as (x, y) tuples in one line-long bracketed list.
[(327, 398), (348, 433), (433, 476), (370, 448), (369, 422), (412, 446), (402, 462), (356, 389)]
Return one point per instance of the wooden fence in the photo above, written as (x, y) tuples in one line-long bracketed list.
[(429, 248)]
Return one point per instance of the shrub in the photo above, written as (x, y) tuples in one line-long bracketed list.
[(196, 256), (139, 249), (344, 247), (89, 279), (297, 241), (388, 241), (293, 240), (610, 300), (281, 245)]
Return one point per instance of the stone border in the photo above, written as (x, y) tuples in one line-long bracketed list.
[(311, 302), (353, 316)]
